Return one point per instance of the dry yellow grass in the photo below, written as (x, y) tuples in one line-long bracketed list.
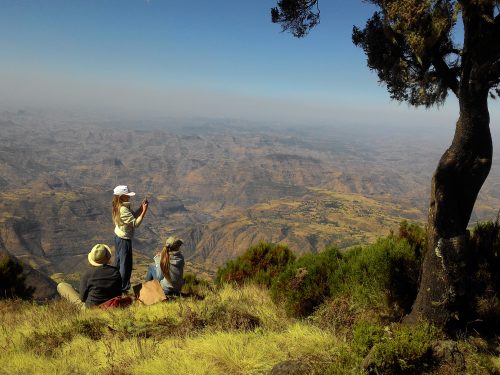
[(180, 337)]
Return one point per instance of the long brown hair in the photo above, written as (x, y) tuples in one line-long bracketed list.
[(165, 263), (116, 203), (165, 259)]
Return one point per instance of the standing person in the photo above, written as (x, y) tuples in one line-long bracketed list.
[(168, 267), (125, 221), (98, 284)]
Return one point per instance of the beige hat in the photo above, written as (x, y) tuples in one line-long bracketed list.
[(99, 255), (173, 242)]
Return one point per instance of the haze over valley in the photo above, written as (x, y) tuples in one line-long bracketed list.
[(221, 185)]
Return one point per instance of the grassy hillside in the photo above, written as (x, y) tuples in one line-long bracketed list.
[(232, 331), (351, 325)]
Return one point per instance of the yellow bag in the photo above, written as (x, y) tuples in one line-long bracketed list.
[(149, 292)]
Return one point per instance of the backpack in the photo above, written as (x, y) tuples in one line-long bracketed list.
[(149, 292)]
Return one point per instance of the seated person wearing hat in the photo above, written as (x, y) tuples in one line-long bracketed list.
[(168, 267), (98, 284)]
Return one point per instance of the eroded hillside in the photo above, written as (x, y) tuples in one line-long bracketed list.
[(221, 187)]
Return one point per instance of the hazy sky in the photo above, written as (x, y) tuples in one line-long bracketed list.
[(219, 58)]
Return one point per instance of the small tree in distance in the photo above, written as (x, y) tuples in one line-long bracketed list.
[(12, 280), (411, 45)]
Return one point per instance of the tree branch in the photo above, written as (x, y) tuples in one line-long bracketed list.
[(445, 72), (296, 16), (494, 76)]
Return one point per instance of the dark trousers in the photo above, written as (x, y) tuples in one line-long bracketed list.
[(123, 261)]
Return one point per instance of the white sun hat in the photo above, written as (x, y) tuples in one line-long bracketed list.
[(123, 190)]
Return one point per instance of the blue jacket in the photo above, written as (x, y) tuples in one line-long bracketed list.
[(176, 272)]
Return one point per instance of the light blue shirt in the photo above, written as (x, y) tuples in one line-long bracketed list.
[(176, 272)]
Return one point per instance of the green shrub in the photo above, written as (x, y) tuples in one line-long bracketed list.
[(337, 314), (260, 263), (365, 336), (384, 273), (305, 284), (415, 235), (484, 278), (406, 350), (194, 286), (12, 280)]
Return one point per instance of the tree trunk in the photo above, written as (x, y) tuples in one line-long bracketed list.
[(442, 298)]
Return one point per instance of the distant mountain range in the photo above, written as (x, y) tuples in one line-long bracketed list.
[(220, 186)]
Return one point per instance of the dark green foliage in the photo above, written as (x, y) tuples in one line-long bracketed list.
[(260, 263), (406, 350), (404, 46), (421, 53), (296, 16), (391, 350), (386, 271), (194, 286), (384, 274), (415, 235), (305, 284), (405, 271), (484, 279), (485, 245), (365, 335), (12, 280)]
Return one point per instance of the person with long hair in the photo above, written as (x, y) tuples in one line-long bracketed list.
[(168, 267), (125, 221)]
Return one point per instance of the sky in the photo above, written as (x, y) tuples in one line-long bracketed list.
[(198, 58)]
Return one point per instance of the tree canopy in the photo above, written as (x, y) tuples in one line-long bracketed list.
[(422, 50), (296, 16), (415, 45)]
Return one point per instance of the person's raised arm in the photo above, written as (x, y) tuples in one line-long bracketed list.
[(144, 207)]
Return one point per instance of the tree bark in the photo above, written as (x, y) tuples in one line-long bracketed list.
[(462, 170)]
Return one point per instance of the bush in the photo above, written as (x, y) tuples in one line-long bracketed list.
[(12, 280), (305, 284), (194, 286), (260, 263), (365, 336), (415, 235), (337, 315), (406, 350), (484, 278), (383, 273)]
